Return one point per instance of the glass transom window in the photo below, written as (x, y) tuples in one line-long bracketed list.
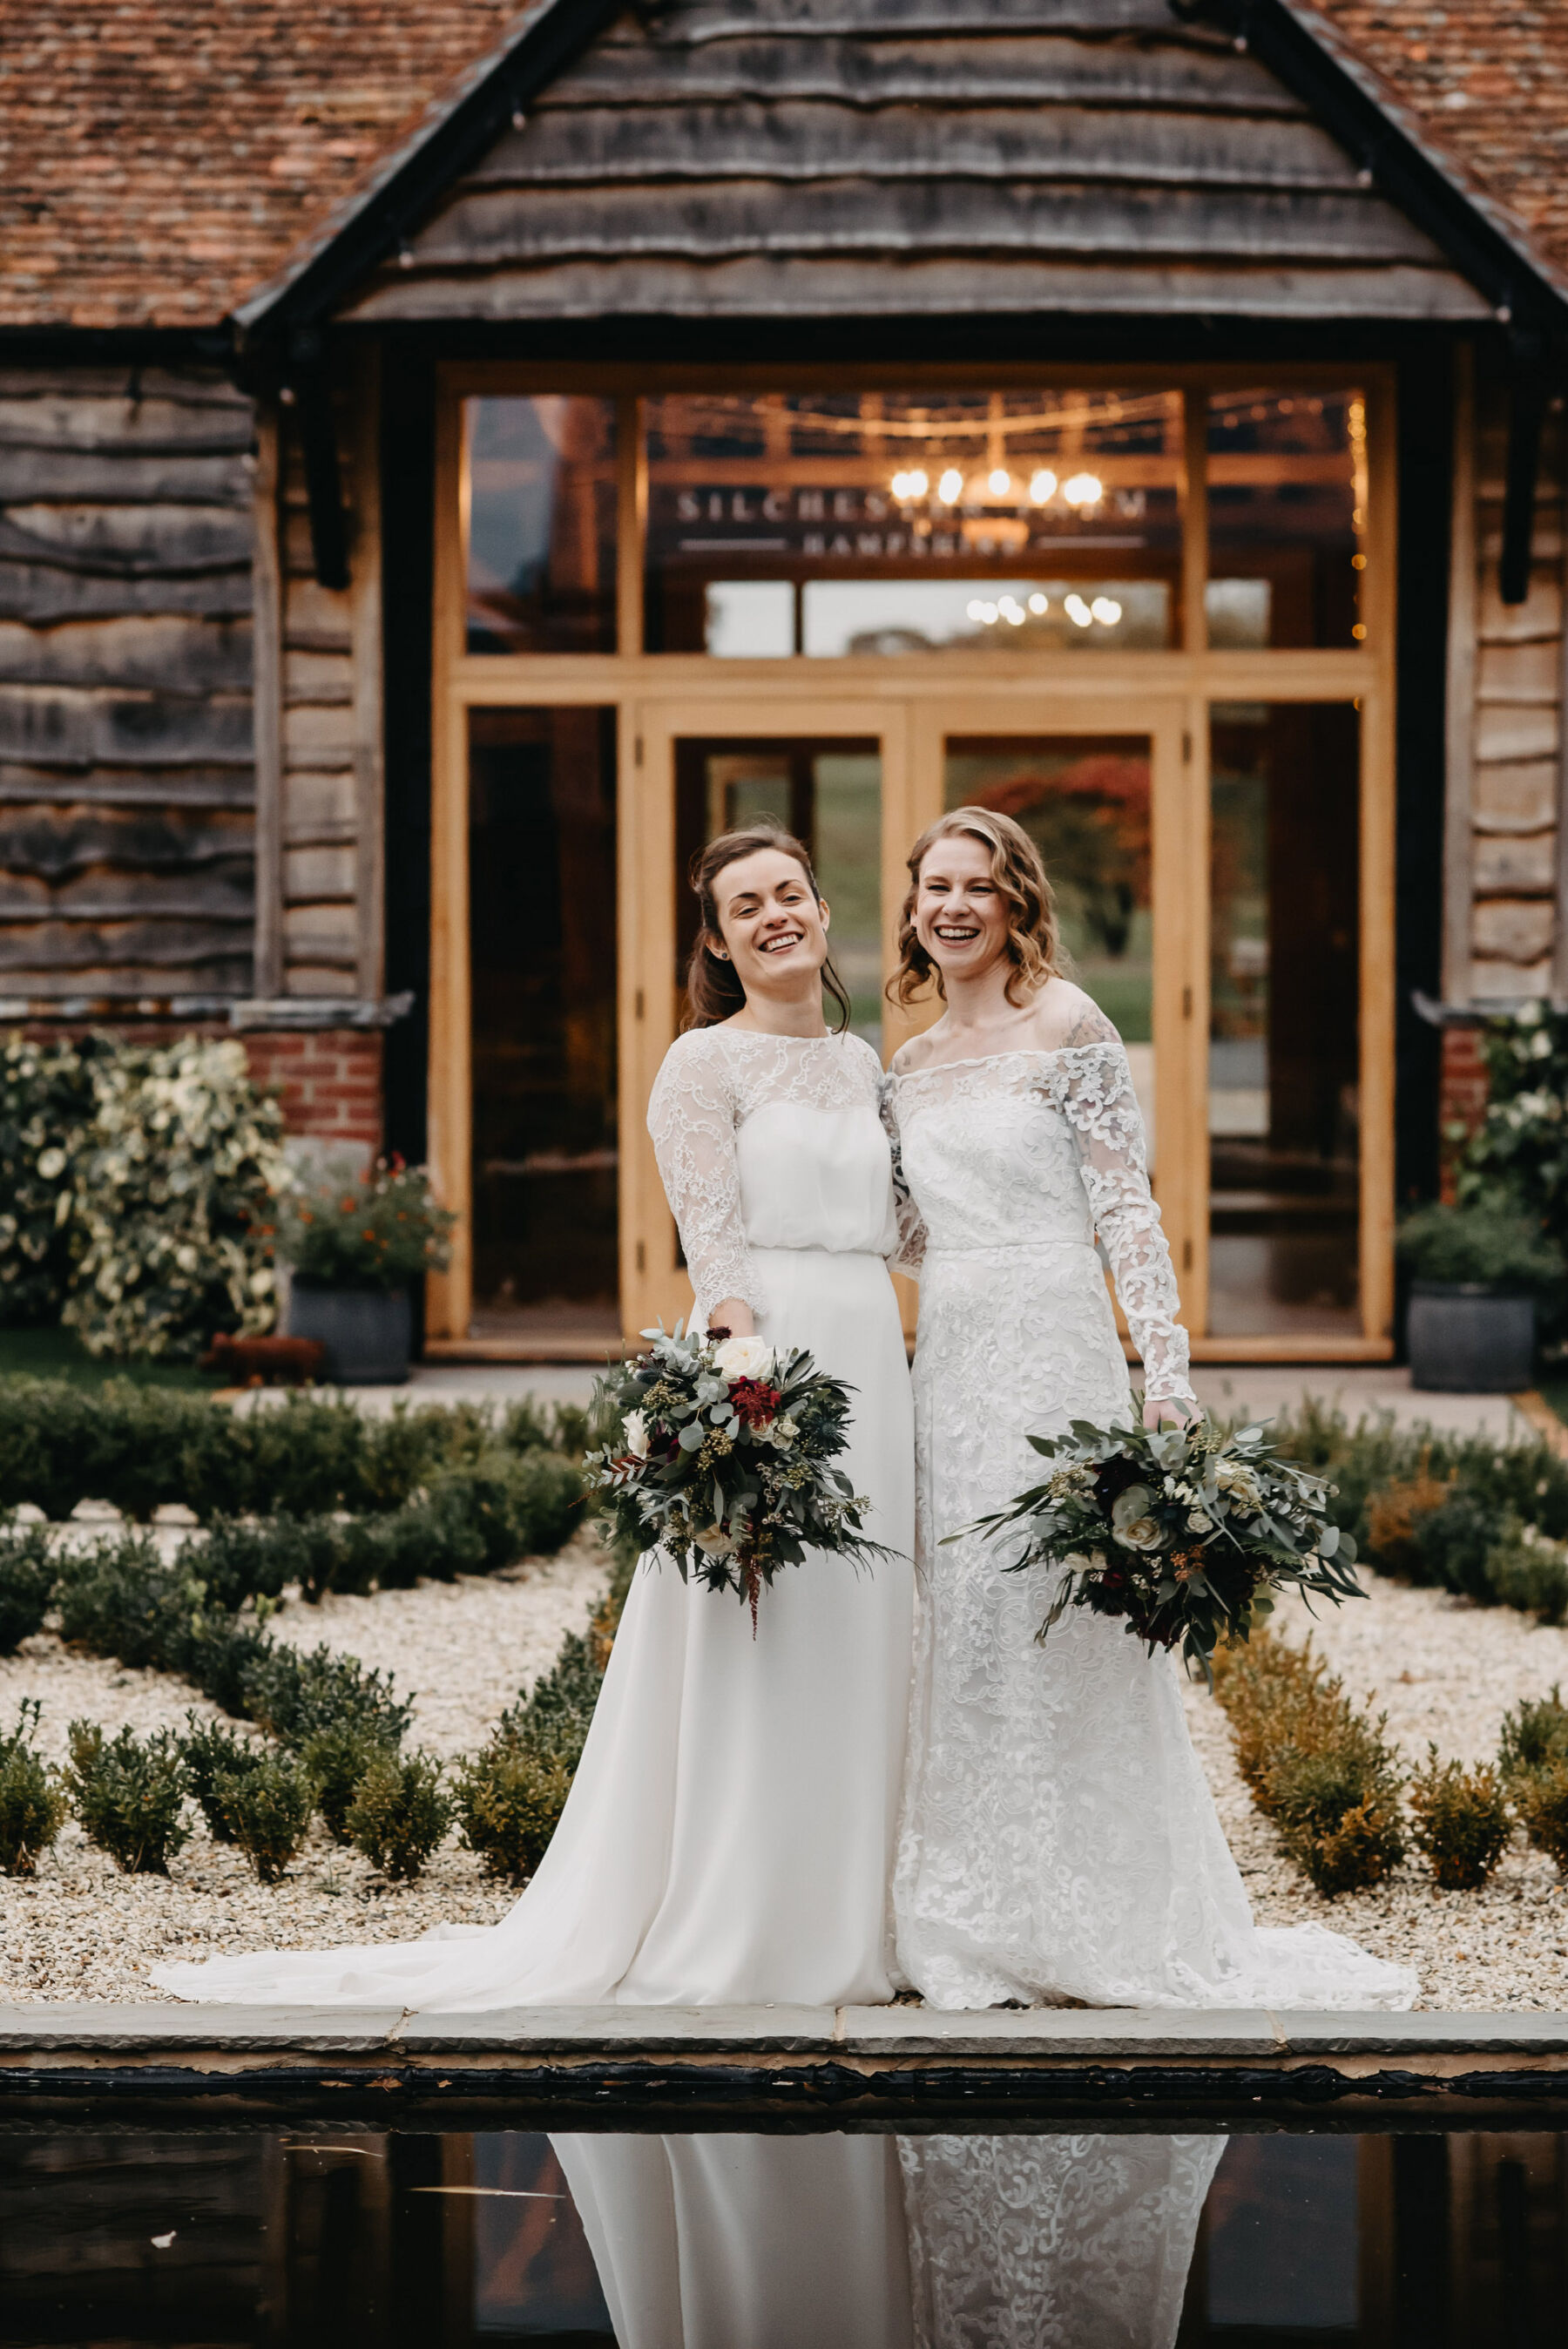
[(887, 522)]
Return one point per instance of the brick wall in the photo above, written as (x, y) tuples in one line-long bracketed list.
[(1461, 1102), (329, 1081)]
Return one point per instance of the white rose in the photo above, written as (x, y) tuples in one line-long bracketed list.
[(744, 1358), (715, 1541), (636, 1434), (1134, 1527)]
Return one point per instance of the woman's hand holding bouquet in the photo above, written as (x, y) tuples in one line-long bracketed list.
[(719, 1454), (1184, 1532)]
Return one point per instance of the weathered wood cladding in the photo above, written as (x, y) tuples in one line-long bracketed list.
[(126, 771), (1514, 748), (329, 723), (865, 157)]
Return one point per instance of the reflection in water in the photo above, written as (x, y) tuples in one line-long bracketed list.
[(313, 2236)]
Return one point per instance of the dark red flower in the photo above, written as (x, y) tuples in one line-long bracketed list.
[(754, 1402)]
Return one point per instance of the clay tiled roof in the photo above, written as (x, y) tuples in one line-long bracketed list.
[(161, 159), (1483, 83)]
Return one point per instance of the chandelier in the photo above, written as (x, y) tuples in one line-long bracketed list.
[(981, 493)]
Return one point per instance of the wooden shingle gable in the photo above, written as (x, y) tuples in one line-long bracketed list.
[(871, 157)]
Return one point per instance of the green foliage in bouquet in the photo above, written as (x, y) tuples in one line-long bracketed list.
[(719, 1454), (32, 1801), (379, 1234), (1185, 1534)]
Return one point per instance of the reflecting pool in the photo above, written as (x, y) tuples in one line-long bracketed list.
[(737, 2241)]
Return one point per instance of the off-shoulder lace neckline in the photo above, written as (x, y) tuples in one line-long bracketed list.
[(1016, 1053), (765, 1036)]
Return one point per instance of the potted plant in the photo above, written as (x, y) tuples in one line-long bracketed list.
[(1477, 1271), (355, 1248)]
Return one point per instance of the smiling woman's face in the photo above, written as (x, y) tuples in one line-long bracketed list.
[(773, 927), (961, 917)]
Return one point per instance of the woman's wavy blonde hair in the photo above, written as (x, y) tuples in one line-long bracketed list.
[(1018, 870)]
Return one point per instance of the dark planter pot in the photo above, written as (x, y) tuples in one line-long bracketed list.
[(367, 1331), (1467, 1339)]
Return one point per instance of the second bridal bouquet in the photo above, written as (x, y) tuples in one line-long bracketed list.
[(721, 1453), (1184, 1533)]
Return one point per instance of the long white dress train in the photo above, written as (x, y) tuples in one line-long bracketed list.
[(1059, 1840), (728, 1837)]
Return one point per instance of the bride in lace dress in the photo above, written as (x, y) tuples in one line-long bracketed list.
[(729, 1836), (1059, 1841)]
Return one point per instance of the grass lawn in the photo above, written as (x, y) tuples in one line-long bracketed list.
[(60, 1354)]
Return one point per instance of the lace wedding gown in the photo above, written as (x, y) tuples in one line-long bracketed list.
[(1058, 1840), (728, 1837)]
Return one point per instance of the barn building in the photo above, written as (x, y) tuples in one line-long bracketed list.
[(453, 459)]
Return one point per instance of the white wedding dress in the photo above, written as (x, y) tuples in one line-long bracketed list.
[(1058, 1841), (729, 1836)]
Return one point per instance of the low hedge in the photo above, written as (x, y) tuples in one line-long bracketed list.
[(337, 1729), (1317, 1767), (1488, 1521), (139, 1448)]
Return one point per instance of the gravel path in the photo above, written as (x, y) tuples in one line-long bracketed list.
[(80, 1929), (1446, 1670), (83, 1931)]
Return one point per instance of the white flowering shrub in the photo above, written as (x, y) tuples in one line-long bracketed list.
[(1520, 1152), (46, 1104), (173, 1179)]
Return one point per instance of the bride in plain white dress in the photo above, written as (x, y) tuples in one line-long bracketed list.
[(728, 1837), (1059, 1840)]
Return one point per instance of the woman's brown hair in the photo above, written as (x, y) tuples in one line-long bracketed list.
[(714, 991), (1018, 871)]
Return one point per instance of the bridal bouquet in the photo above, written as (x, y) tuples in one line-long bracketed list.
[(1184, 1533), (721, 1454)]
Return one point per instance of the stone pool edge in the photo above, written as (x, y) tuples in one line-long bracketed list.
[(824, 2067)]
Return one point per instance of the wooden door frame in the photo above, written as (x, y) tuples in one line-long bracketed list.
[(682, 693)]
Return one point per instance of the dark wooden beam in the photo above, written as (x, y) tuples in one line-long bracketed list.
[(312, 404), (1528, 391)]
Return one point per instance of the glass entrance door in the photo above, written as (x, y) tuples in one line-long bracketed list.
[(544, 1270), (1211, 899)]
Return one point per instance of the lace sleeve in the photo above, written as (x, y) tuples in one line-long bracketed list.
[(1091, 1084), (691, 1117), (910, 1254)]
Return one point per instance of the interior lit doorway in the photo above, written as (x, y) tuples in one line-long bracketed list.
[(1154, 619)]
